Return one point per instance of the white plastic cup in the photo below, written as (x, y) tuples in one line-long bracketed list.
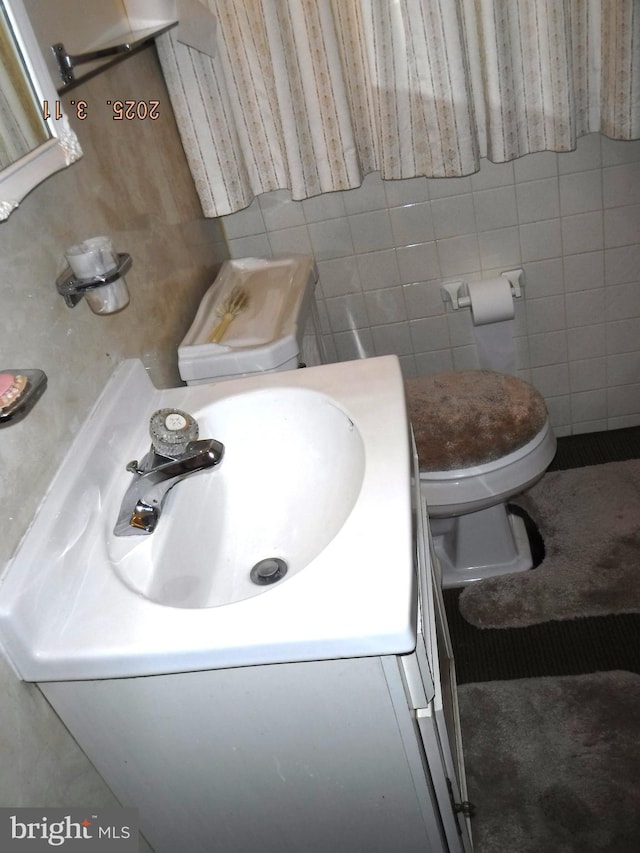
[(92, 258)]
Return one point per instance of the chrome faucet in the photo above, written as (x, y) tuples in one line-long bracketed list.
[(154, 476)]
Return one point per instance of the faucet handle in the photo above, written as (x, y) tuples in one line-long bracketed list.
[(171, 430)]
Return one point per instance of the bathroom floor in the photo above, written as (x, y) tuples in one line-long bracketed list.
[(571, 647)]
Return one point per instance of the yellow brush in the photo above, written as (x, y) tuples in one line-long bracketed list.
[(236, 302)]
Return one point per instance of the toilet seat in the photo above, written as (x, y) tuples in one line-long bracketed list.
[(459, 491)]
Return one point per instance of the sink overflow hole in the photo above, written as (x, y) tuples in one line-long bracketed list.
[(267, 571)]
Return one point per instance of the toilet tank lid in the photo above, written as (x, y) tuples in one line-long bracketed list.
[(278, 291)]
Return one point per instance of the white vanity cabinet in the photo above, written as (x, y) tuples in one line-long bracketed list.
[(341, 755), (358, 754)]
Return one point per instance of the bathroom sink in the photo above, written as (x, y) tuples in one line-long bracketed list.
[(313, 494), (292, 471)]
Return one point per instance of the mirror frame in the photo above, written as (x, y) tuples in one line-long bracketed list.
[(62, 148)]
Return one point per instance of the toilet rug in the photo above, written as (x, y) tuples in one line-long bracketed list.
[(553, 764), (589, 519)]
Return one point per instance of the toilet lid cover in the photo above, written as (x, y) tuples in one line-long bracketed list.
[(471, 417)]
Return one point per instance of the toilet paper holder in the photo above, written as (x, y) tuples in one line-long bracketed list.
[(456, 292)]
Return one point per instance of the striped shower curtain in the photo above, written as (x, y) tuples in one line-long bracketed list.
[(311, 95)]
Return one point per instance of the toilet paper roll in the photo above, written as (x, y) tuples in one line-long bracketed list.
[(491, 301), (492, 312)]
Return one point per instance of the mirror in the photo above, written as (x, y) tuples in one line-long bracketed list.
[(35, 137)]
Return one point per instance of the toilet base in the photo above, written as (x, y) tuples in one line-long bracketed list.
[(480, 545)]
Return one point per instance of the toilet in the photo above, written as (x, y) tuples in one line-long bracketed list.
[(481, 438), (275, 325)]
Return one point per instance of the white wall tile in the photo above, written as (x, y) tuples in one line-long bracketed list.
[(418, 263), (465, 358), (537, 200), (500, 248), (385, 306), (615, 151), (370, 196), (583, 232), (412, 223), (585, 307), (346, 312), (378, 269), (589, 405), (552, 380), (391, 339), (255, 246), (331, 238), (559, 408), (546, 314), (621, 184), (544, 278), (409, 191), (590, 426), (583, 272), (588, 155), (245, 222), (580, 192), (588, 374), (621, 225), (279, 211), (623, 400), (623, 335), (623, 369), (492, 175), (541, 240), (354, 344), (548, 348), (458, 255), (495, 208), (445, 187), (339, 276), (291, 240), (460, 327), (423, 299), (533, 167), (622, 301), (453, 217), (622, 264), (371, 231), (434, 362), (584, 342), (430, 333), (325, 206)]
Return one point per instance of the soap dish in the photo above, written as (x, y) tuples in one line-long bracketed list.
[(19, 392)]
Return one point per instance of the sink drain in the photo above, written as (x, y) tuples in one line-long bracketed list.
[(268, 571)]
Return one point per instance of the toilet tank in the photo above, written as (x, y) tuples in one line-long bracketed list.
[(277, 329)]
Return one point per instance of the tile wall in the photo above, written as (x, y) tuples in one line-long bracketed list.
[(571, 221)]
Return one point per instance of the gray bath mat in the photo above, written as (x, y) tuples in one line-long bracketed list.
[(553, 764), (589, 519)]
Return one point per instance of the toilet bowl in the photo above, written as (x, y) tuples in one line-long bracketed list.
[(482, 437)]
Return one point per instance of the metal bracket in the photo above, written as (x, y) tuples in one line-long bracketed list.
[(126, 44), (73, 289), (457, 292)]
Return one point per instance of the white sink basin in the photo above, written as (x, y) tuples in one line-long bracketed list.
[(292, 471), (316, 473)]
